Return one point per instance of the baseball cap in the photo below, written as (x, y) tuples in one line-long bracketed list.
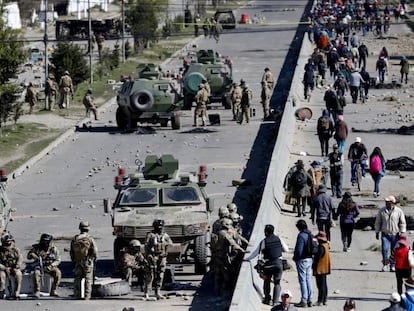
[(286, 293), (390, 198), (358, 139), (395, 297)]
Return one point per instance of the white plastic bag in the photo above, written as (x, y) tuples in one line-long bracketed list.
[(411, 258)]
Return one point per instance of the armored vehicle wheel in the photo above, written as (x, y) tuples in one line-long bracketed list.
[(175, 122), (121, 119), (164, 123), (193, 80), (226, 101), (201, 255), (142, 100)]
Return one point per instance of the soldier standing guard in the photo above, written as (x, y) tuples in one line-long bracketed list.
[(10, 262), (46, 259), (236, 96), (83, 253), (245, 102), (89, 104), (156, 251), (269, 79), (66, 90), (51, 92), (265, 96), (132, 262), (201, 99), (31, 97)]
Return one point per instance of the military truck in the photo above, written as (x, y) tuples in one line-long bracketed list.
[(210, 66), (161, 191), (5, 206), (149, 98)]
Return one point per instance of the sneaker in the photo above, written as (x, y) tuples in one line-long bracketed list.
[(392, 269), (385, 268), (301, 304), (345, 249), (310, 304)]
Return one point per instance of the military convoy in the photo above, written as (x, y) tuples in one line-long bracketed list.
[(149, 98), (160, 190), (5, 206), (209, 66)]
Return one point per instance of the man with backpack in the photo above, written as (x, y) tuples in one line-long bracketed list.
[(300, 182), (325, 128), (83, 253)]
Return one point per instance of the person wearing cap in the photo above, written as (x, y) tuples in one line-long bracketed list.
[(88, 102), (323, 207), (405, 69), (390, 222), (285, 304), (201, 99), (268, 79), (407, 298), (66, 90), (46, 259), (300, 183), (395, 303), (245, 103), (83, 254), (376, 168), (204, 81), (322, 267), (357, 154), (347, 212), (349, 305), (341, 133), (51, 91), (336, 173), (10, 264), (271, 248), (399, 256), (315, 171)]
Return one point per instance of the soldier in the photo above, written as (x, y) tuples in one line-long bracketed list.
[(201, 99), (46, 260), (10, 262), (236, 96), (132, 262), (223, 213), (245, 102), (83, 253), (206, 86), (268, 78), (51, 91), (31, 97), (66, 90), (265, 96), (89, 104), (156, 251), (99, 41)]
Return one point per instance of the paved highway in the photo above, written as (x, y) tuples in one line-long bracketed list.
[(70, 183)]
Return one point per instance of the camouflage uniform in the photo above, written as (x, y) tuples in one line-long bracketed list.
[(132, 263), (31, 97), (46, 259), (268, 78), (201, 99), (236, 96), (265, 96), (10, 262), (51, 91), (89, 105), (66, 90), (156, 251), (84, 264), (245, 103)]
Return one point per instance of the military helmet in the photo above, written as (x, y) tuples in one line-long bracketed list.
[(135, 243), (51, 76), (46, 237), (7, 238), (232, 207), (266, 69), (227, 223), (158, 223), (235, 217), (66, 72), (201, 86), (223, 212), (242, 82), (84, 225)]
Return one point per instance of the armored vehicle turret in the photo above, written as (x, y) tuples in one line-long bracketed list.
[(149, 98), (211, 67), (5, 206), (161, 191)]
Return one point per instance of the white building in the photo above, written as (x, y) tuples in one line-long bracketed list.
[(11, 16)]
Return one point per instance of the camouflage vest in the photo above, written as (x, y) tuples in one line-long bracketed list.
[(66, 81), (9, 257)]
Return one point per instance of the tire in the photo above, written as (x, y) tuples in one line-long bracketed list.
[(142, 100), (175, 121), (192, 81), (164, 123), (121, 119), (117, 288), (201, 252)]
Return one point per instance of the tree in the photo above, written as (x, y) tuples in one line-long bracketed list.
[(144, 16), (7, 99), (68, 56)]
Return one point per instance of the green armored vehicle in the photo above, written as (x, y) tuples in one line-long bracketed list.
[(5, 207), (149, 98), (161, 191), (211, 67)]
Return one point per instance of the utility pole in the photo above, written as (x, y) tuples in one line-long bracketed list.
[(90, 41), (46, 60), (123, 29)]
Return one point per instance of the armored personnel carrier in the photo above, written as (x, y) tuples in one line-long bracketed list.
[(149, 98), (160, 191), (211, 67), (5, 206)]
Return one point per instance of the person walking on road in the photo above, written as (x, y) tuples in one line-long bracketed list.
[(303, 258), (325, 128), (245, 103), (31, 97), (66, 90), (347, 212), (201, 99), (381, 67), (89, 104), (51, 92), (308, 79), (357, 154), (395, 303), (323, 207), (341, 133), (399, 256), (405, 69), (271, 247), (390, 222), (376, 168), (336, 172), (285, 304), (300, 183), (322, 267)]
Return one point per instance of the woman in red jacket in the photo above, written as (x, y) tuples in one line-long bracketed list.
[(399, 255)]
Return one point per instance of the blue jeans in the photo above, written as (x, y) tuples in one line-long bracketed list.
[(381, 75), (388, 242), (377, 178), (304, 267), (336, 183), (341, 146), (353, 169)]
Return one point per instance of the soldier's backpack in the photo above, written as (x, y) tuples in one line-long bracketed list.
[(299, 179), (80, 247)]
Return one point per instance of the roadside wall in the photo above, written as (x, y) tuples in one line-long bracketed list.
[(249, 288)]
